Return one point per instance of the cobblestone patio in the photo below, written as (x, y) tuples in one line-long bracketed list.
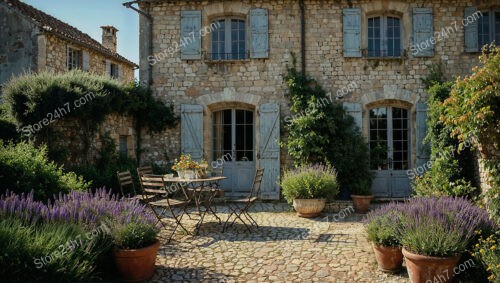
[(285, 248)]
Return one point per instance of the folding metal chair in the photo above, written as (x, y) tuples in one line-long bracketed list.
[(125, 179), (239, 207), (155, 184)]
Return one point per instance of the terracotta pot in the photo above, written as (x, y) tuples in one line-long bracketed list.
[(136, 265), (361, 203), (309, 207), (423, 269), (389, 259)]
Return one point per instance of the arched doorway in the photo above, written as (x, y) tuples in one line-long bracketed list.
[(390, 154), (233, 147)]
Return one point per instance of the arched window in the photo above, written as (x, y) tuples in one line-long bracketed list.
[(384, 36), (229, 40)]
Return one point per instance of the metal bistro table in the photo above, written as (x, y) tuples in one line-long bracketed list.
[(201, 192)]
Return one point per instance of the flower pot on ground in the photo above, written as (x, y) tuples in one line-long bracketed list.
[(383, 226), (435, 232), (309, 207), (423, 268), (136, 265), (362, 195), (308, 187), (136, 246)]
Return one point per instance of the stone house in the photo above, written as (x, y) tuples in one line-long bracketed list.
[(32, 40), (222, 64)]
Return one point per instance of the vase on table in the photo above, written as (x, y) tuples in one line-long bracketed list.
[(181, 173)]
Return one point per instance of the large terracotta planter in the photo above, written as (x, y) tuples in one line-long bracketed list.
[(309, 207), (389, 259), (361, 203), (424, 269), (136, 265)]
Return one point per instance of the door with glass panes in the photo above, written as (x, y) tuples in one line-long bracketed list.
[(233, 147), (390, 151)]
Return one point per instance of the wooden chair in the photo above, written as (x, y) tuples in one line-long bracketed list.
[(155, 184), (125, 179), (144, 170), (239, 207)]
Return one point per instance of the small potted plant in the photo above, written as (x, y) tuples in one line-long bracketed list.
[(383, 226), (136, 246), (362, 195), (308, 187), (436, 232)]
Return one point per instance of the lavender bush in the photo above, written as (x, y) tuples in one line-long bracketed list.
[(310, 182), (441, 226), (383, 225), (89, 209)]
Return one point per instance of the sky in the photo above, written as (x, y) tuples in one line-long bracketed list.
[(89, 15)]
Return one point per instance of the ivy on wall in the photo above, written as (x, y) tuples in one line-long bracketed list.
[(37, 101)]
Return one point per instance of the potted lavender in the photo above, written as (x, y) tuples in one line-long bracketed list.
[(383, 227), (308, 187), (435, 232)]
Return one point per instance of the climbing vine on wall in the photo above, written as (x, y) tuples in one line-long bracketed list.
[(38, 101)]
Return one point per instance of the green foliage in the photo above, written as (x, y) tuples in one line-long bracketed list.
[(25, 167), (35, 97), (473, 109), (134, 235), (44, 252), (103, 173), (383, 231), (450, 171), (321, 132), (8, 130), (487, 251), (309, 182)]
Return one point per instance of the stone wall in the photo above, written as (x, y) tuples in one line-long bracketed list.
[(53, 56), (378, 80), (17, 45)]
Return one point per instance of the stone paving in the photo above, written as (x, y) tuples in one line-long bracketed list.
[(285, 248)]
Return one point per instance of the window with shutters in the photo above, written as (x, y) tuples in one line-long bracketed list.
[(384, 36), (113, 71), (73, 58), (229, 41), (488, 28)]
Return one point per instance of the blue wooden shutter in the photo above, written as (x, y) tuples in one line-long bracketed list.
[(356, 111), (470, 32), (423, 31), (352, 32), (192, 130), (269, 150), (259, 33), (423, 150), (190, 27), (85, 61)]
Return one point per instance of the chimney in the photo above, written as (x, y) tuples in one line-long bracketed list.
[(109, 37)]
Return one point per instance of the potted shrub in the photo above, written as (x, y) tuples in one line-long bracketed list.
[(383, 226), (362, 195), (435, 232), (136, 246), (308, 187)]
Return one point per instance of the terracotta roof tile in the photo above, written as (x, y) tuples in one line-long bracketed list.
[(64, 30)]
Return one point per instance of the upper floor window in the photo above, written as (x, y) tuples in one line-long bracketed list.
[(229, 40), (113, 71), (384, 37), (73, 58), (488, 28)]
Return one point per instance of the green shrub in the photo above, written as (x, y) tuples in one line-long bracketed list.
[(487, 251), (8, 128), (134, 235), (309, 182), (320, 131), (47, 252), (25, 168), (383, 225)]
